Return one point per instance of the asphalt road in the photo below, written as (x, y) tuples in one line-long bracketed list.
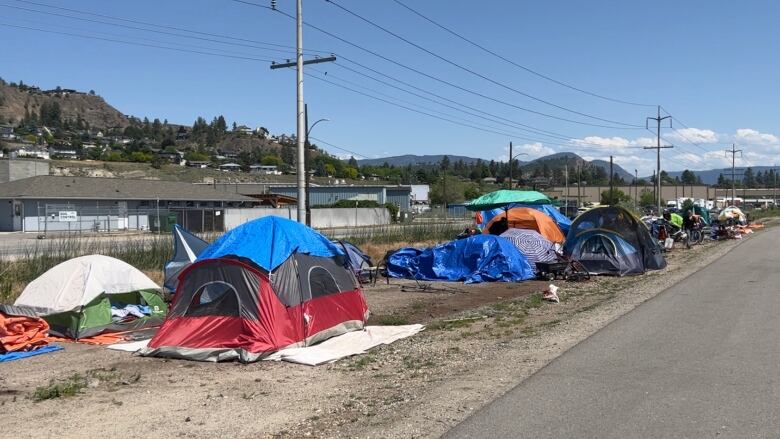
[(701, 359)]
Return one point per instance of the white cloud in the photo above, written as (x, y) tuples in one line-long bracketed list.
[(748, 135), (694, 135), (602, 142), (534, 150)]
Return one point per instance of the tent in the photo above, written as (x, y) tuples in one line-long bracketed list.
[(480, 258), (610, 240), (505, 197), (356, 259), (563, 222), (605, 252), (535, 247), (268, 284), (76, 297), (186, 248), (531, 219)]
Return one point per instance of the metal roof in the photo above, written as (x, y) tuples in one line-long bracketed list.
[(93, 188)]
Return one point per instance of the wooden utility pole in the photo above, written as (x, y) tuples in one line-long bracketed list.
[(733, 153), (611, 192), (510, 165), (658, 148)]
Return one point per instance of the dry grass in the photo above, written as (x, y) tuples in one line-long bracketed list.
[(378, 251)]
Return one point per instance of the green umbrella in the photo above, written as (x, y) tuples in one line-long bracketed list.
[(505, 197)]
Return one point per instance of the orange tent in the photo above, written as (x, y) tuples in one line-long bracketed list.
[(532, 219)]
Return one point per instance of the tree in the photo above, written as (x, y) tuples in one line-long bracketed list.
[(688, 177), (330, 170), (92, 92), (444, 165), (353, 162), (617, 197), (647, 198)]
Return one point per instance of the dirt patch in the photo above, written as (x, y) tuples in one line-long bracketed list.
[(481, 341)]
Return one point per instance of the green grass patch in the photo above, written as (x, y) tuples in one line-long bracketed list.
[(71, 386)]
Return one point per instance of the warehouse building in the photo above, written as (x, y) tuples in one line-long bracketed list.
[(46, 203), (325, 195)]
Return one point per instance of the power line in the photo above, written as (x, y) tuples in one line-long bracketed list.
[(432, 77), (113, 40), (473, 72), (338, 147), (468, 124), (90, 20), (520, 66), (162, 26)]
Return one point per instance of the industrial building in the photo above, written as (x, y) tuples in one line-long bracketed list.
[(17, 169), (325, 195), (46, 203)]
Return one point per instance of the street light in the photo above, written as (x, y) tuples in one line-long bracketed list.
[(511, 158), (307, 160)]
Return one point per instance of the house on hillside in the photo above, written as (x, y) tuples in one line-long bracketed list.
[(66, 153), (264, 169), (7, 132), (489, 180), (230, 167), (243, 129), (198, 164), (171, 157), (32, 152)]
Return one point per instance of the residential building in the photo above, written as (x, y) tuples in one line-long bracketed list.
[(198, 164), (265, 170), (31, 152), (243, 129), (231, 167)]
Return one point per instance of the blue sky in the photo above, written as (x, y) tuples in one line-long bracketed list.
[(708, 63)]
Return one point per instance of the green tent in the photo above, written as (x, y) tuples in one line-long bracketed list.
[(87, 296), (505, 197)]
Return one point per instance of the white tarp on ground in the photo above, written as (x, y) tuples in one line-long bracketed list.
[(345, 345), (333, 349)]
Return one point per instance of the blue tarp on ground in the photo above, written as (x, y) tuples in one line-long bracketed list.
[(560, 219), (481, 258), (269, 241), (356, 258), (11, 356)]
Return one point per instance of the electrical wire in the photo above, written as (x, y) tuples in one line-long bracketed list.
[(520, 66), (434, 78), (473, 72), (162, 26), (133, 43), (90, 20)]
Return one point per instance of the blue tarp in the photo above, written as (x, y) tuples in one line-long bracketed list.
[(480, 258), (11, 356), (560, 219), (269, 241), (356, 258)]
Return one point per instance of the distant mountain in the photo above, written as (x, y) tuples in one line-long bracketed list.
[(559, 160), (710, 176), (411, 159)]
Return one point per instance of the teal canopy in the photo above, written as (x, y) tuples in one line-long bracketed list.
[(505, 197)]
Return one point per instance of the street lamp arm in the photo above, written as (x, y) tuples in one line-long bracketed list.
[(312, 126)]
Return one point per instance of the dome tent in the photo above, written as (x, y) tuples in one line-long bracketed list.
[(531, 219), (610, 240), (265, 285), (75, 297)]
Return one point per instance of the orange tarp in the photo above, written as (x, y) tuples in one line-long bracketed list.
[(532, 219), (22, 333)]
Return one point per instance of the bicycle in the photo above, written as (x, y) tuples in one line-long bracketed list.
[(564, 267)]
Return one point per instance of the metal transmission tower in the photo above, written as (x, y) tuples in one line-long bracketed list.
[(658, 119), (301, 116), (733, 151)]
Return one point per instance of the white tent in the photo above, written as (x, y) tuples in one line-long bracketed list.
[(77, 282)]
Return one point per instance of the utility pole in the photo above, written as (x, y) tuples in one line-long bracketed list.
[(579, 183), (774, 188), (510, 165), (733, 153), (611, 192), (566, 185), (300, 109), (636, 188), (658, 148)]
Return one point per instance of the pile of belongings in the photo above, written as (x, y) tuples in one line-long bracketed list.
[(479, 258), (22, 335), (78, 296)]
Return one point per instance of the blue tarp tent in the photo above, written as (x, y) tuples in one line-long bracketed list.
[(480, 258), (269, 241), (560, 219), (355, 257)]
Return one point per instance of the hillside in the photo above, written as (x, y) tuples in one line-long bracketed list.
[(15, 102)]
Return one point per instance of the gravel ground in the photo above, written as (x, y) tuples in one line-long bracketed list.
[(481, 341)]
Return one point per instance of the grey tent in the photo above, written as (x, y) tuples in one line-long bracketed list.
[(186, 248)]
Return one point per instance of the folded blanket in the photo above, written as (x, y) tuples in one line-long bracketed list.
[(21, 333)]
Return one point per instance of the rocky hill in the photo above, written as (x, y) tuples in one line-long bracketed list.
[(16, 102)]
